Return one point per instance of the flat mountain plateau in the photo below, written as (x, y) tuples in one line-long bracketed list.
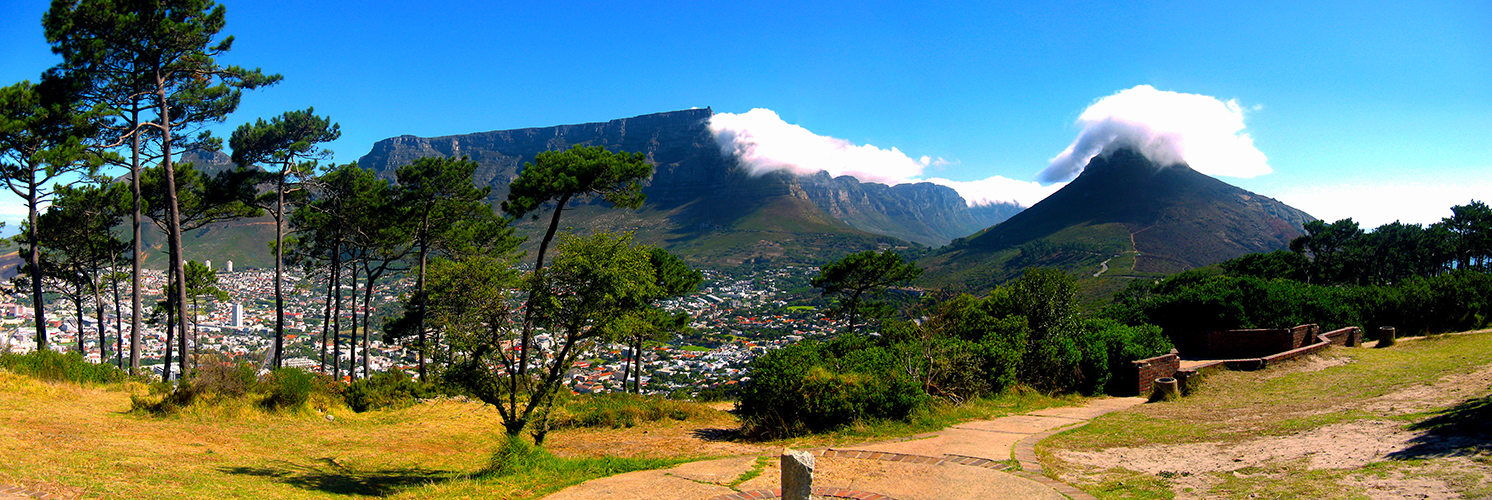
[(1402, 422)]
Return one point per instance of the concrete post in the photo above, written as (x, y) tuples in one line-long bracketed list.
[(1386, 336), (797, 475), (1167, 388)]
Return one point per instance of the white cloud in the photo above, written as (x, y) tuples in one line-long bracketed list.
[(763, 143), (1168, 128), (1375, 205), (999, 189)]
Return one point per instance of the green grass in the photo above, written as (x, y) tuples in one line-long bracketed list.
[(695, 348)]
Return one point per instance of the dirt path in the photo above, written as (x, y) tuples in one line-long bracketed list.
[(981, 459), (1381, 449)]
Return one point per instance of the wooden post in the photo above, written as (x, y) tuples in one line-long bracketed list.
[(1386, 336), (797, 475)]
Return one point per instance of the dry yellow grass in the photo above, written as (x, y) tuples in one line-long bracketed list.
[(81, 439)]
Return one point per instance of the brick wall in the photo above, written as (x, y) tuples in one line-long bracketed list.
[(1147, 370), (1230, 344), (1346, 337), (1242, 350)]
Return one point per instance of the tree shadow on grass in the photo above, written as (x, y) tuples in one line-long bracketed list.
[(717, 434), (331, 477), (1461, 430)]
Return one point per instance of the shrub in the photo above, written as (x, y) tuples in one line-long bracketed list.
[(392, 389), (224, 378), (288, 388), (61, 367), (1109, 347), (618, 410), (812, 387)]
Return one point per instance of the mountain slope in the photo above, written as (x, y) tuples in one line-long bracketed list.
[(695, 184), (1124, 208)]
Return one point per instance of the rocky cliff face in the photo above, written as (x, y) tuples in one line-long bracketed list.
[(691, 173)]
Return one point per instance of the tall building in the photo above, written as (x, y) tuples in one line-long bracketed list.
[(237, 311), (208, 264), (229, 267)]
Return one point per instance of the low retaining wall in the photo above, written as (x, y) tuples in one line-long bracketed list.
[(1149, 369), (1288, 343)]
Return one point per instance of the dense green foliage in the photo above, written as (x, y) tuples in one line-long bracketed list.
[(52, 365), (1196, 302), (814, 386), (392, 389), (1341, 253), (1028, 333)]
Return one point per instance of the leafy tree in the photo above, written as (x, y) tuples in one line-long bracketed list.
[(651, 322), (440, 199), (1471, 224), (199, 201), (77, 231), (201, 282), (1279, 264), (342, 199), (1047, 298), (859, 277), (555, 178), (288, 146), (163, 49), (595, 283), (41, 140), (1327, 246)]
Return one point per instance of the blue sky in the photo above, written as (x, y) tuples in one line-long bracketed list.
[(1372, 110)]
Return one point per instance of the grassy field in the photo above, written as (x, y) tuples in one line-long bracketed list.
[(83, 440), (1351, 423)]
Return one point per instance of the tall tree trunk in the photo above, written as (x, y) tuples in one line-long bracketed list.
[(118, 318), (367, 309), (138, 252), (173, 233), (280, 270), (326, 318), (420, 292), (170, 332), (37, 307), (103, 340), (78, 304), (337, 311), (352, 344)]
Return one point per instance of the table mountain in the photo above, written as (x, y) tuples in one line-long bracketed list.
[(703, 204)]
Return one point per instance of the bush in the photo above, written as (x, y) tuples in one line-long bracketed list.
[(1109, 347), (288, 388), (224, 378), (61, 367), (619, 410), (387, 390), (813, 387)]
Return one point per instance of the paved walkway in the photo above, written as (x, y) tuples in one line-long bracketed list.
[(966, 461)]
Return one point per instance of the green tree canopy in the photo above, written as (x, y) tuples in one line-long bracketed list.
[(859, 277)]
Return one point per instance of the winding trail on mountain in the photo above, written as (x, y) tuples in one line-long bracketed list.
[(985, 459)]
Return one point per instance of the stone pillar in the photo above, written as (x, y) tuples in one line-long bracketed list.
[(797, 475), (1386, 336)]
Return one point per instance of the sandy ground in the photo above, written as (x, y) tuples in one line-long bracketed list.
[(1348, 449)]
